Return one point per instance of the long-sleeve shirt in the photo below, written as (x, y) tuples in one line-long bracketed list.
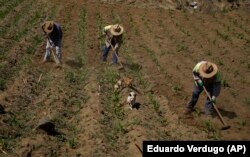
[(115, 41), (56, 34)]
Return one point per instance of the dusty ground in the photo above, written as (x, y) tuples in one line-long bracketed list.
[(160, 49)]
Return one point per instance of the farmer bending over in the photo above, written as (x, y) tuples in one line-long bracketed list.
[(205, 74), (113, 40), (53, 33)]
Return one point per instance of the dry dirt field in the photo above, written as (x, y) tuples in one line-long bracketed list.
[(161, 46)]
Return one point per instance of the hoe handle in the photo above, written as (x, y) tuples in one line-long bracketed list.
[(215, 107), (53, 53), (115, 54)]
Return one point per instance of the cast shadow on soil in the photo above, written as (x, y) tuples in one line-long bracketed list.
[(132, 66), (2, 111), (228, 114), (49, 129), (73, 64), (137, 105)]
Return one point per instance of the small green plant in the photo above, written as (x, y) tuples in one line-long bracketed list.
[(115, 97), (136, 121), (222, 35), (208, 125), (5, 143), (216, 135), (224, 83), (120, 127), (247, 101), (234, 94), (180, 47), (72, 143), (70, 77), (176, 88), (111, 76), (220, 62), (156, 105), (152, 55), (164, 122), (154, 102), (197, 112), (243, 123)]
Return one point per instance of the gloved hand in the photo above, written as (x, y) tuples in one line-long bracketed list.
[(213, 99), (200, 82)]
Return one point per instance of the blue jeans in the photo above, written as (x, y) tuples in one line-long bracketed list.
[(213, 89), (58, 50), (105, 52)]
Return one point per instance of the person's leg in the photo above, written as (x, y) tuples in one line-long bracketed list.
[(195, 96), (47, 52), (105, 52), (115, 57), (208, 103), (58, 51), (213, 90)]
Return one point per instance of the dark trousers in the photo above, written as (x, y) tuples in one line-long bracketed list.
[(213, 89), (105, 52)]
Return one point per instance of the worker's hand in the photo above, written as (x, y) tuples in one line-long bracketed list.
[(52, 45), (213, 99), (200, 83), (116, 47)]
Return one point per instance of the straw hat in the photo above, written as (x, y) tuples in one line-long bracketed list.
[(48, 26), (116, 30), (208, 70)]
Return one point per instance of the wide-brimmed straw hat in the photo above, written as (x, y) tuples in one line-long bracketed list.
[(116, 30), (208, 70), (48, 26)]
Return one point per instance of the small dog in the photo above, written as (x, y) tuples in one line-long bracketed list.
[(123, 83), (131, 100)]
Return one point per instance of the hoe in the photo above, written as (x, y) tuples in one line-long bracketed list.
[(225, 126), (53, 54), (122, 67)]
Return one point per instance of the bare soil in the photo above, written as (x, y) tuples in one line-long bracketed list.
[(161, 46)]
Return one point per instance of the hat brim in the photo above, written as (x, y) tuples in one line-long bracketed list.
[(46, 24), (206, 75), (114, 33)]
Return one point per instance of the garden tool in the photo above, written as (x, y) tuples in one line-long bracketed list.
[(122, 67), (53, 53), (225, 126)]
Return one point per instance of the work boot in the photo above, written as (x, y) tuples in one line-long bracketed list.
[(113, 64), (210, 113)]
